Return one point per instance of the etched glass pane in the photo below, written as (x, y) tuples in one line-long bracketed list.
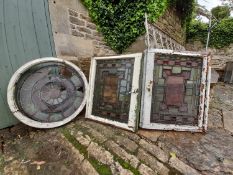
[(113, 83), (176, 89), (49, 92)]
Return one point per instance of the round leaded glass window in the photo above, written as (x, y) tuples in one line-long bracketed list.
[(47, 93)]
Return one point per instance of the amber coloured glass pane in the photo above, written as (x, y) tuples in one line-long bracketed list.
[(112, 89), (176, 89)]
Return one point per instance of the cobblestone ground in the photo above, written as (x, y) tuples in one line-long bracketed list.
[(85, 147)]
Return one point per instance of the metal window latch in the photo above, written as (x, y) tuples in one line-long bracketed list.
[(149, 85), (134, 91)]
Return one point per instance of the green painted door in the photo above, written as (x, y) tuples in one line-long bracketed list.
[(25, 34)]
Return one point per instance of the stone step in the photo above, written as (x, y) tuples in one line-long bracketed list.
[(115, 148), (86, 167), (85, 132), (97, 153)]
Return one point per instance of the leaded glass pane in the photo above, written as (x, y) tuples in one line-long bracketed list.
[(176, 89), (113, 84), (49, 92)]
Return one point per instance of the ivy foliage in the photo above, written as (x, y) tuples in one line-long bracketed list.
[(221, 12), (197, 30), (185, 10), (122, 21), (221, 36)]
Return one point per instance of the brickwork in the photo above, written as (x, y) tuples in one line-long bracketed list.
[(82, 26)]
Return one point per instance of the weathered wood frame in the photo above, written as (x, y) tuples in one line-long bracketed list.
[(135, 93), (148, 86), (11, 94)]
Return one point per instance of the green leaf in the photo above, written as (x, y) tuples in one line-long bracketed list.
[(122, 21)]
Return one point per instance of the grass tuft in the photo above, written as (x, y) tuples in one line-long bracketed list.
[(126, 165), (99, 167)]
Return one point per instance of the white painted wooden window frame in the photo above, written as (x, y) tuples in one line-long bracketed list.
[(147, 87), (28, 121), (134, 102)]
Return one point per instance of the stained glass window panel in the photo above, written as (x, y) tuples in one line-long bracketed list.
[(113, 84), (49, 92), (176, 89)]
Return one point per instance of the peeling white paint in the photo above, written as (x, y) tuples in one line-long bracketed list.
[(148, 86), (132, 121)]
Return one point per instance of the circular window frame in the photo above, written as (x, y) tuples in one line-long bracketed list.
[(28, 121)]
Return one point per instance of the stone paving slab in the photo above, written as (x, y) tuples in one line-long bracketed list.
[(182, 167), (152, 162), (114, 147), (100, 153), (154, 150), (145, 170), (228, 120)]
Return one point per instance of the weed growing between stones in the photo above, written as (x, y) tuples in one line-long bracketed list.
[(125, 165), (99, 167)]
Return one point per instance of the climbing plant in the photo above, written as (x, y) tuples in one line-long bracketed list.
[(122, 21), (221, 35), (221, 12), (197, 31), (185, 10)]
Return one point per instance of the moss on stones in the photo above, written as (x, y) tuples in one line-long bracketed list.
[(99, 167)]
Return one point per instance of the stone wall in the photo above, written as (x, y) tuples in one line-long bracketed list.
[(219, 56), (170, 24), (82, 26), (168, 32), (76, 37)]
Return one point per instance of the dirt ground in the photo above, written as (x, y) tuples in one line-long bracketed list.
[(78, 147)]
